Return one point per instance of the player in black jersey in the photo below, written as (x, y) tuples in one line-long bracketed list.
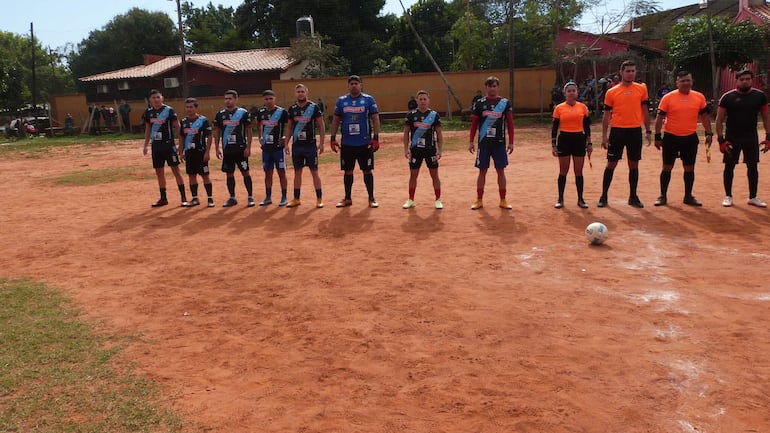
[(304, 118), (423, 140), (160, 123), (271, 120), (233, 129), (195, 138)]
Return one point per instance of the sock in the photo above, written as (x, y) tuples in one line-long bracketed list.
[(753, 175), (283, 194), (665, 179), (562, 182), (728, 179), (607, 181), (438, 192), (231, 186), (163, 193), (633, 181), (480, 193), (502, 193), (194, 190), (369, 182), (689, 180), (318, 193), (182, 191), (348, 179), (296, 193), (411, 193), (209, 189), (268, 193), (579, 186), (249, 187)]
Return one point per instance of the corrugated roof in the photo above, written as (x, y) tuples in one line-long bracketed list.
[(270, 59), (761, 11)]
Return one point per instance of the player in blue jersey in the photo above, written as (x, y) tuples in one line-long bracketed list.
[(195, 137), (160, 123), (304, 118), (357, 114), (233, 129), (271, 121), (423, 141)]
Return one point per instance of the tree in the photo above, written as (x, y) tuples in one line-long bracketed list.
[(472, 35), (323, 57), (212, 28), (122, 42), (433, 20), (397, 65)]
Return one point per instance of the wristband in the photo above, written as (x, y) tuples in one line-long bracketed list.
[(589, 144), (709, 134), (649, 132), (658, 136), (767, 137), (376, 137), (334, 138), (720, 139)]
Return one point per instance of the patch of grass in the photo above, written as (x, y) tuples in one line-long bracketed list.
[(39, 146), (105, 175), (58, 375)]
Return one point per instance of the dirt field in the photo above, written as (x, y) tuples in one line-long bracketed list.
[(392, 320)]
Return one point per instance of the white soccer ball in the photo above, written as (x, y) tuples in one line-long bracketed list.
[(596, 233)]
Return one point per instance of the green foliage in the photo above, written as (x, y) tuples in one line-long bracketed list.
[(122, 42), (433, 20), (323, 57), (397, 65), (212, 28), (472, 35)]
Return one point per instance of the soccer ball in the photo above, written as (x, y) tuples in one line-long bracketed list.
[(596, 233)]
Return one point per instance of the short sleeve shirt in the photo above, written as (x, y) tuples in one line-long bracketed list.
[(682, 111), (232, 127), (356, 116), (422, 128), (160, 121), (304, 123), (492, 120), (626, 105), (742, 109), (193, 133), (272, 123), (571, 116)]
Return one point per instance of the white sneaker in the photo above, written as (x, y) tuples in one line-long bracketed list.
[(727, 201), (757, 202), (439, 205), (409, 204)]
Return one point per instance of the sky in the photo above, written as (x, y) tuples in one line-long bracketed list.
[(58, 22)]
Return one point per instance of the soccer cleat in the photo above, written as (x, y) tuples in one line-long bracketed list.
[(478, 204), (185, 203), (582, 204), (602, 201), (293, 203), (283, 201), (409, 204), (727, 201), (159, 203), (194, 202), (635, 202), (345, 202), (504, 204), (211, 202), (266, 201), (373, 203), (755, 201), (319, 203), (230, 202), (662, 200), (692, 201), (250, 202), (559, 204), (438, 204)]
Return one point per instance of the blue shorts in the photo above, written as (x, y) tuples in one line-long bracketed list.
[(497, 153), (275, 159), (305, 156)]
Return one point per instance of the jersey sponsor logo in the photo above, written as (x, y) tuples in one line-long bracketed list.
[(354, 109), (268, 122), (423, 124), (303, 119), (490, 113), (231, 122), (157, 120), (191, 131)]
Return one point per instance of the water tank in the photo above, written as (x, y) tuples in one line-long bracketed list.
[(305, 25)]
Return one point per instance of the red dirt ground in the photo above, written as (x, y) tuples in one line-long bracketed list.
[(393, 320)]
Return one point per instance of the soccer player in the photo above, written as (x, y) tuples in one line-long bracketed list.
[(739, 108), (625, 113), (492, 116), (195, 135), (161, 120), (572, 123), (680, 110), (304, 118), (271, 122), (357, 114), (423, 141), (233, 129)]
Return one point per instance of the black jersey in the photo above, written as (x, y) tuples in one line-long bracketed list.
[(492, 124), (232, 127), (193, 133), (742, 109), (422, 128), (272, 123), (160, 121), (304, 119)]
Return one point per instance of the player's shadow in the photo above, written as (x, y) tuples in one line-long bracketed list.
[(715, 222), (348, 221), (423, 227), (649, 219), (145, 222), (282, 219), (499, 221)]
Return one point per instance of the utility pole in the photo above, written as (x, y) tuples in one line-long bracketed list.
[(704, 4), (34, 78), (511, 51), (181, 49)]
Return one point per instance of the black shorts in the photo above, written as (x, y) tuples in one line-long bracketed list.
[(680, 146), (305, 156), (428, 154), (571, 144), (235, 159), (163, 154), (749, 147), (625, 137), (194, 163), (350, 154)]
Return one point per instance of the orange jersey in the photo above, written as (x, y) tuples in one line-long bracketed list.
[(626, 105), (570, 116), (682, 111)]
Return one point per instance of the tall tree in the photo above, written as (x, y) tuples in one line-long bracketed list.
[(433, 20), (323, 59), (472, 35), (212, 28), (122, 42)]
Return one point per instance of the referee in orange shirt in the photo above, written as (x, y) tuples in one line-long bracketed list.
[(625, 113), (678, 114)]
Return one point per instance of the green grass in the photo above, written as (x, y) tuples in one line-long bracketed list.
[(58, 375), (105, 175), (39, 146)]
